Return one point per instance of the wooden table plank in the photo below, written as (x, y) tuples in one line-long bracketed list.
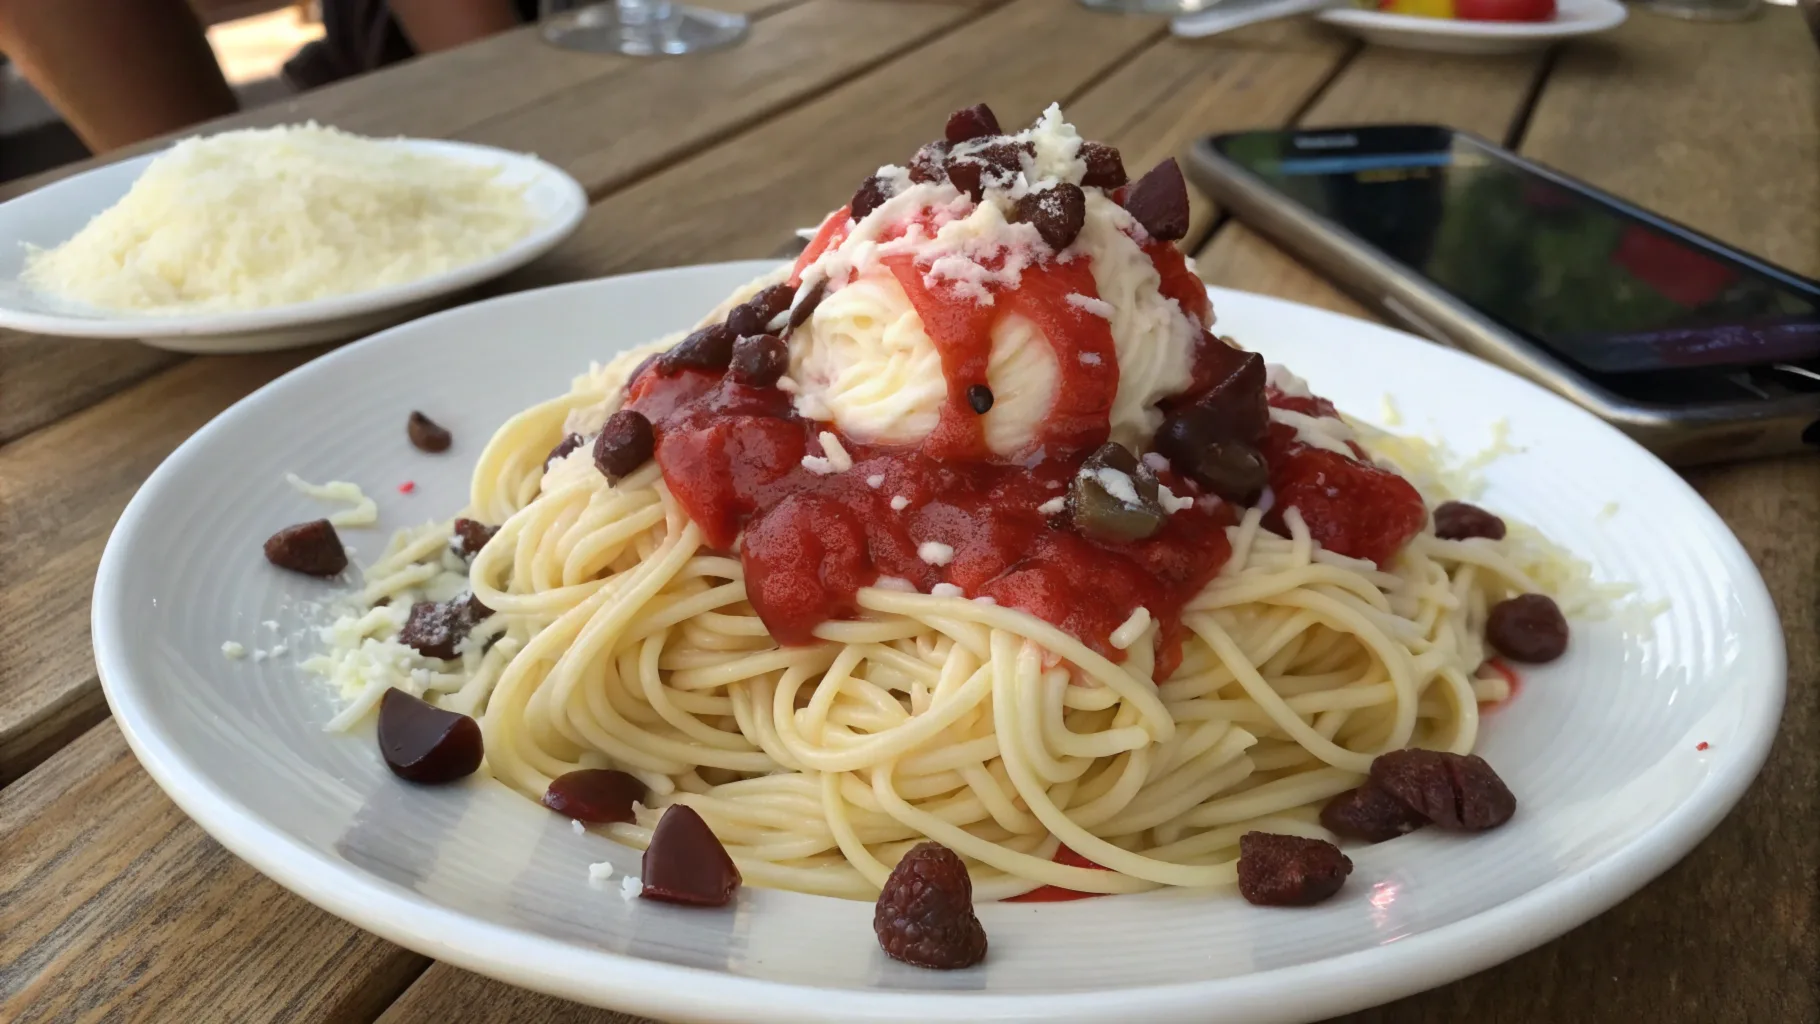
[(759, 187), (515, 91), (445, 993), (114, 906)]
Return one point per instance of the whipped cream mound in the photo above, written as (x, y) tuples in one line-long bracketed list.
[(864, 360)]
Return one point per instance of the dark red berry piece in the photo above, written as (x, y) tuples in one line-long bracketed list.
[(1370, 813), (1458, 792), (1105, 169), (685, 863), (426, 434), (758, 361), (1159, 201), (626, 442), (1527, 628), (597, 796), (805, 306), (312, 548), (470, 535), (1456, 520), (423, 743), (930, 163), (1057, 213), (710, 348), (924, 915), (979, 398), (568, 444), (1289, 871), (977, 166), (975, 122), (435, 629)]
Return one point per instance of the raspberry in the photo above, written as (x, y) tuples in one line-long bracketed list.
[(925, 913), (1457, 520), (1289, 871)]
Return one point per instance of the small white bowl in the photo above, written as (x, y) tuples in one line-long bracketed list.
[(1452, 35), (51, 215)]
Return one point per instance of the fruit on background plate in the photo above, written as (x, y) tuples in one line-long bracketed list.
[(1468, 10)]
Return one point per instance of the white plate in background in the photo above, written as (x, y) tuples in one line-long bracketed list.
[(49, 216), (1603, 748)]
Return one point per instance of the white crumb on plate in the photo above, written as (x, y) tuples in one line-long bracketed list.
[(577, 827), (599, 873), (630, 886), (233, 651)]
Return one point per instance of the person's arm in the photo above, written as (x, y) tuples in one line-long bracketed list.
[(117, 72), (433, 25)]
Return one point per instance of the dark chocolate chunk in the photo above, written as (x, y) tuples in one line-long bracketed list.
[(594, 796), (1105, 169), (871, 195), (1159, 201), (805, 305), (1458, 792), (1289, 871), (569, 443), (1457, 520), (426, 434), (1057, 213), (626, 442), (471, 535), (975, 122), (710, 348), (1528, 628), (759, 360), (930, 163), (685, 863), (977, 166), (312, 548), (436, 629), (425, 744), (1370, 813)]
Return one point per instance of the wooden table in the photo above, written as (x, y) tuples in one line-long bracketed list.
[(114, 906)]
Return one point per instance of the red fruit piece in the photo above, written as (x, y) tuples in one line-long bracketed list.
[(426, 434), (1458, 792), (594, 795), (975, 122), (312, 548), (685, 863), (759, 360), (710, 348), (1351, 507), (1457, 520), (1159, 201), (924, 915), (871, 195), (1105, 169), (1289, 871), (423, 743), (1527, 628), (1370, 813)]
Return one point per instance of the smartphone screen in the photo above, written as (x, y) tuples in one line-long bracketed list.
[(1629, 300)]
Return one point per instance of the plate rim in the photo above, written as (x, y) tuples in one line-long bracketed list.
[(545, 236), (672, 991), (1600, 16)]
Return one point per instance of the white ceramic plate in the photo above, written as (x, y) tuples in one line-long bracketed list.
[(50, 215), (1451, 35), (1600, 747)]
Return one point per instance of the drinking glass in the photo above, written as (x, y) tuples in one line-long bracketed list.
[(641, 28), (1149, 6)]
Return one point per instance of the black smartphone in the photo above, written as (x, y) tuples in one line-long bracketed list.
[(1699, 351)]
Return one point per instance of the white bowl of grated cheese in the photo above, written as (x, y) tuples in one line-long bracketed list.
[(273, 238)]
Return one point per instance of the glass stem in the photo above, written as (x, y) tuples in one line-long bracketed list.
[(644, 13)]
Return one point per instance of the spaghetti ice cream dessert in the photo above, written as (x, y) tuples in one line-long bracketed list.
[(966, 529)]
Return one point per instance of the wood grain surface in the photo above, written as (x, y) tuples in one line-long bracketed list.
[(115, 906)]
